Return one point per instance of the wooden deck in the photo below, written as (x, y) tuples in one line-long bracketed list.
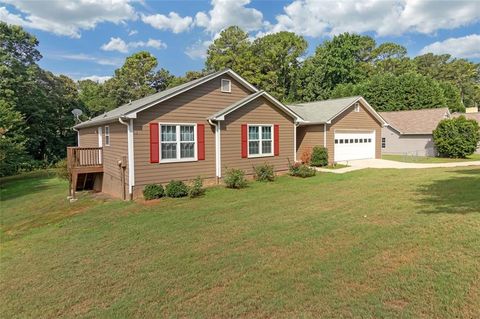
[(83, 160)]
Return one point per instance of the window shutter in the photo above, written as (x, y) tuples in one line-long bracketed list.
[(276, 139), (201, 142), (154, 147), (244, 141)]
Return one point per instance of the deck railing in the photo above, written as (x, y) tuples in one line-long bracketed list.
[(84, 157)]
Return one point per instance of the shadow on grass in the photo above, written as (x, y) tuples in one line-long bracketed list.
[(21, 185), (459, 194)]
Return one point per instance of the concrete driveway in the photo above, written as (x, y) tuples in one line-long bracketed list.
[(381, 163)]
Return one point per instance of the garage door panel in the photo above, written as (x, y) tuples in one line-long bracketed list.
[(354, 145)]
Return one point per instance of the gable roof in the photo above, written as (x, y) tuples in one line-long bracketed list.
[(415, 121), (470, 116), (320, 112), (220, 115), (131, 109)]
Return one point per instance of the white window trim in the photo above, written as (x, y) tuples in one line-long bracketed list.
[(229, 86), (357, 107), (260, 141), (107, 140), (178, 159)]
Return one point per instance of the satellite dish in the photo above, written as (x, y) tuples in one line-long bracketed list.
[(76, 113)]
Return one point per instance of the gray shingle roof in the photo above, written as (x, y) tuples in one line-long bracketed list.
[(422, 121), (322, 111), (125, 109)]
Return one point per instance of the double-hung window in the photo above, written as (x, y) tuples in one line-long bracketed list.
[(260, 140), (107, 135), (177, 142)]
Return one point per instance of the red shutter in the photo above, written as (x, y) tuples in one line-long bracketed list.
[(154, 150), (276, 139), (244, 141), (201, 142)]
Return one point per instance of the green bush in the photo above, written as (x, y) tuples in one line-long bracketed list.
[(196, 189), (264, 173), (456, 137), (301, 170), (235, 178), (176, 189), (153, 191), (319, 156), (61, 169)]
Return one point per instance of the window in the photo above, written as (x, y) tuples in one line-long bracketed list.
[(356, 140), (357, 107), (260, 141), (336, 141), (384, 143), (177, 142), (226, 86), (107, 135), (369, 140)]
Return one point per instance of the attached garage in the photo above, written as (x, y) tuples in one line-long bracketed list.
[(353, 145), (349, 128)]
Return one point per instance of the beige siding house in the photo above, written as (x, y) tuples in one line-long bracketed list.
[(199, 128), (410, 132), (348, 127)]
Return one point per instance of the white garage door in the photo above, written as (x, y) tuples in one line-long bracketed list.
[(354, 145)]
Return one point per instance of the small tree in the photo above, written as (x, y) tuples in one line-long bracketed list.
[(456, 137), (319, 156)]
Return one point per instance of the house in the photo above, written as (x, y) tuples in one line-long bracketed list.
[(471, 116), (348, 127), (410, 132), (199, 128)]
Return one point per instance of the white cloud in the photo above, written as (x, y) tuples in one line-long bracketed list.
[(384, 17), (117, 44), (464, 47), (132, 32), (172, 22), (88, 58), (96, 78), (67, 18), (230, 12), (198, 50)]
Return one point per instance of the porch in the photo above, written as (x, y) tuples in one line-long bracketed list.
[(83, 163)]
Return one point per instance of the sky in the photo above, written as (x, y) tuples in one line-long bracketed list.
[(90, 39)]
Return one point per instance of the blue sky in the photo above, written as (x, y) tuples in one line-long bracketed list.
[(83, 39)]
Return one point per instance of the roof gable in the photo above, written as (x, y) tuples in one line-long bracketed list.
[(131, 109), (326, 111)]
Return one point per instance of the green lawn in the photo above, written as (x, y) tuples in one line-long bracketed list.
[(368, 244), (428, 159)]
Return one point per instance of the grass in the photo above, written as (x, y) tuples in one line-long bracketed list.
[(368, 244), (429, 159)]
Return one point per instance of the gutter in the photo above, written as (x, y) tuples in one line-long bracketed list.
[(78, 136), (131, 158), (218, 157)]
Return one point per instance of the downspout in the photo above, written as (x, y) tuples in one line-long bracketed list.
[(218, 158), (295, 126), (78, 136), (325, 135), (131, 159)]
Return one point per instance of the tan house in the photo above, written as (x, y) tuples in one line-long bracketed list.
[(199, 128), (348, 127), (410, 132)]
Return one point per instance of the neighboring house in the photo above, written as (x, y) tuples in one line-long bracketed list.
[(199, 128), (348, 127), (471, 116), (410, 132)]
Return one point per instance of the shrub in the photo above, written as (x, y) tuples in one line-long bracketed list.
[(456, 137), (61, 169), (235, 178), (301, 170), (153, 191), (176, 189), (306, 156), (196, 189), (264, 173), (319, 156)]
